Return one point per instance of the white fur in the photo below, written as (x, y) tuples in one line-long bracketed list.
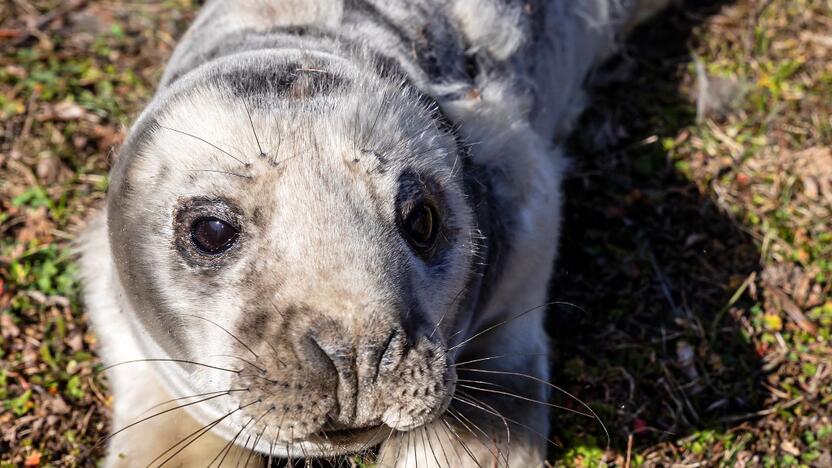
[(495, 116)]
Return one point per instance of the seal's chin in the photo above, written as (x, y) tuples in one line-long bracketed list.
[(332, 442)]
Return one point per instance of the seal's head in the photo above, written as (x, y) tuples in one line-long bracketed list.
[(303, 226)]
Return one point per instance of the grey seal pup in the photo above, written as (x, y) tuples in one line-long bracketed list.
[(333, 228)]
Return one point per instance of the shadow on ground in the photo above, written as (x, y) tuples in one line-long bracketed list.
[(650, 263)]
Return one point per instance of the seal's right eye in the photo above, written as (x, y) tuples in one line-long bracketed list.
[(212, 235)]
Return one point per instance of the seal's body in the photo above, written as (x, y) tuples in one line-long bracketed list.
[(333, 229)]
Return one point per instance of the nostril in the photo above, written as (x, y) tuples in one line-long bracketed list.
[(334, 370), (391, 352), (316, 356)]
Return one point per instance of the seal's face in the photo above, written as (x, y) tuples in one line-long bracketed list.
[(317, 249)]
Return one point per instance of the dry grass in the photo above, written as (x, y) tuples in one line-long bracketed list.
[(697, 242)]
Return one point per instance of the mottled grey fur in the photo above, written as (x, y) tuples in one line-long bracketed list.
[(310, 125)]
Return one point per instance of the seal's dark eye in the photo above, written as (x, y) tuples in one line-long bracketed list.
[(421, 227), (213, 236)]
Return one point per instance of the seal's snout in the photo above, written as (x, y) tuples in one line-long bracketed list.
[(336, 381), (383, 372)]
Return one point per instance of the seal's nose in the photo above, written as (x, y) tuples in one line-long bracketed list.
[(358, 366)]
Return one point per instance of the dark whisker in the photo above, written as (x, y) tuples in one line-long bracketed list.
[(240, 359), (256, 439), (243, 451), (415, 455), (458, 364), (242, 176), (254, 446), (506, 418), (289, 447), (303, 451), (502, 418), (510, 319), (104, 439), (209, 144), (521, 397), (181, 361), (205, 429), (277, 163), (250, 121), (551, 385), (225, 330), (425, 447), (276, 151), (461, 442), (484, 440), (227, 448), (448, 434), (441, 447), (232, 390), (271, 452)]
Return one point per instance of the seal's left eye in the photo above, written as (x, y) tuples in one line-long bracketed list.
[(421, 228), (213, 236)]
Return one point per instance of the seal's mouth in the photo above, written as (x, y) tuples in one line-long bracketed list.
[(350, 435)]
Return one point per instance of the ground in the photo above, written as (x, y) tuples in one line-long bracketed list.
[(697, 250)]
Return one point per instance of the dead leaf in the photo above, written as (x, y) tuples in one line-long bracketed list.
[(814, 167), (69, 110), (48, 167), (8, 327), (789, 447), (793, 310), (33, 459), (37, 226)]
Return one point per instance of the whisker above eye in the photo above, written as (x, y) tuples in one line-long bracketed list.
[(242, 176), (244, 163), (251, 121)]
